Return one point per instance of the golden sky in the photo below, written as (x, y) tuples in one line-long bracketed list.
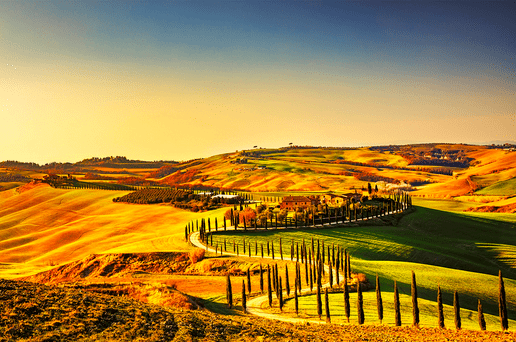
[(160, 81)]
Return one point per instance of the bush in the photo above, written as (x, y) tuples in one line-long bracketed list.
[(196, 255), (361, 277)]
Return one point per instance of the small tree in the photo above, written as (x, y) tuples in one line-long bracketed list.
[(379, 302), (229, 292), (249, 280), (280, 291), (346, 299), (440, 313), (244, 301), (327, 304), (296, 303), (502, 304), (276, 274), (415, 307), (481, 320), (360, 304), (330, 275), (319, 302), (397, 312), (456, 309), (269, 285), (261, 278), (287, 284)]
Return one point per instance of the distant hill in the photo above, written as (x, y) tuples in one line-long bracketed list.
[(432, 169)]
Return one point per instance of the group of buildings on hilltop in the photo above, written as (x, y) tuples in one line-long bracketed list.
[(303, 202)]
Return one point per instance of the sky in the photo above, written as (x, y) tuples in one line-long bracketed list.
[(177, 80)]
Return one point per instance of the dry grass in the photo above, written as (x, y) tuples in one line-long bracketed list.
[(45, 224)]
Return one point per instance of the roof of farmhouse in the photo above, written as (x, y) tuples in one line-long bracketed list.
[(296, 199)]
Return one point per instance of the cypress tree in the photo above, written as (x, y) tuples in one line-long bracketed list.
[(311, 279), (502, 304), (276, 275), (280, 291), (322, 249), (261, 278), (360, 305), (440, 313), (272, 249), (274, 279), (248, 280), (319, 302), (244, 301), (327, 304), (186, 233), (280, 249), (331, 274), (296, 303), (397, 312), (456, 309), (269, 287), (379, 302), (229, 292), (292, 251), (345, 264), (349, 265), (268, 248), (287, 285), (306, 274), (337, 280), (262, 250), (415, 307), (481, 320), (333, 254)]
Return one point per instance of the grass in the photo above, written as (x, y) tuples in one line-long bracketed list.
[(507, 187), (427, 311), (459, 251)]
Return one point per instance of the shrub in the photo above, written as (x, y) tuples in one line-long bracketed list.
[(196, 255)]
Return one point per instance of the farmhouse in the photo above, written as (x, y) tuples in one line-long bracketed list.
[(293, 202), (332, 199)]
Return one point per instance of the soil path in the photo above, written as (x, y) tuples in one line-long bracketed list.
[(255, 306)]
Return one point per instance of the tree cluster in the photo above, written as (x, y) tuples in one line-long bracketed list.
[(13, 177), (149, 196)]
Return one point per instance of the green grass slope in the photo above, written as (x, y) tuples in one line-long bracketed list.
[(503, 188), (461, 252)]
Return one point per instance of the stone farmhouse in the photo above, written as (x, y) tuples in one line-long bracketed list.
[(293, 202)]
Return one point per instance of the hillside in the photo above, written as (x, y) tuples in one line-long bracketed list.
[(33, 312), (433, 170), (42, 226)]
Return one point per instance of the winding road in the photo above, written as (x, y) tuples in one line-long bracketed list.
[(254, 306)]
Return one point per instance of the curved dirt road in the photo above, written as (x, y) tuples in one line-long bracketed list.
[(254, 306)]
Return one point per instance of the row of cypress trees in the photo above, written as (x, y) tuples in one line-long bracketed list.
[(275, 285)]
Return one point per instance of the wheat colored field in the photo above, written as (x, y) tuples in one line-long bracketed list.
[(43, 226)]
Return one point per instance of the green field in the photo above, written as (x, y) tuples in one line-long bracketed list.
[(427, 311), (459, 251), (503, 188)]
